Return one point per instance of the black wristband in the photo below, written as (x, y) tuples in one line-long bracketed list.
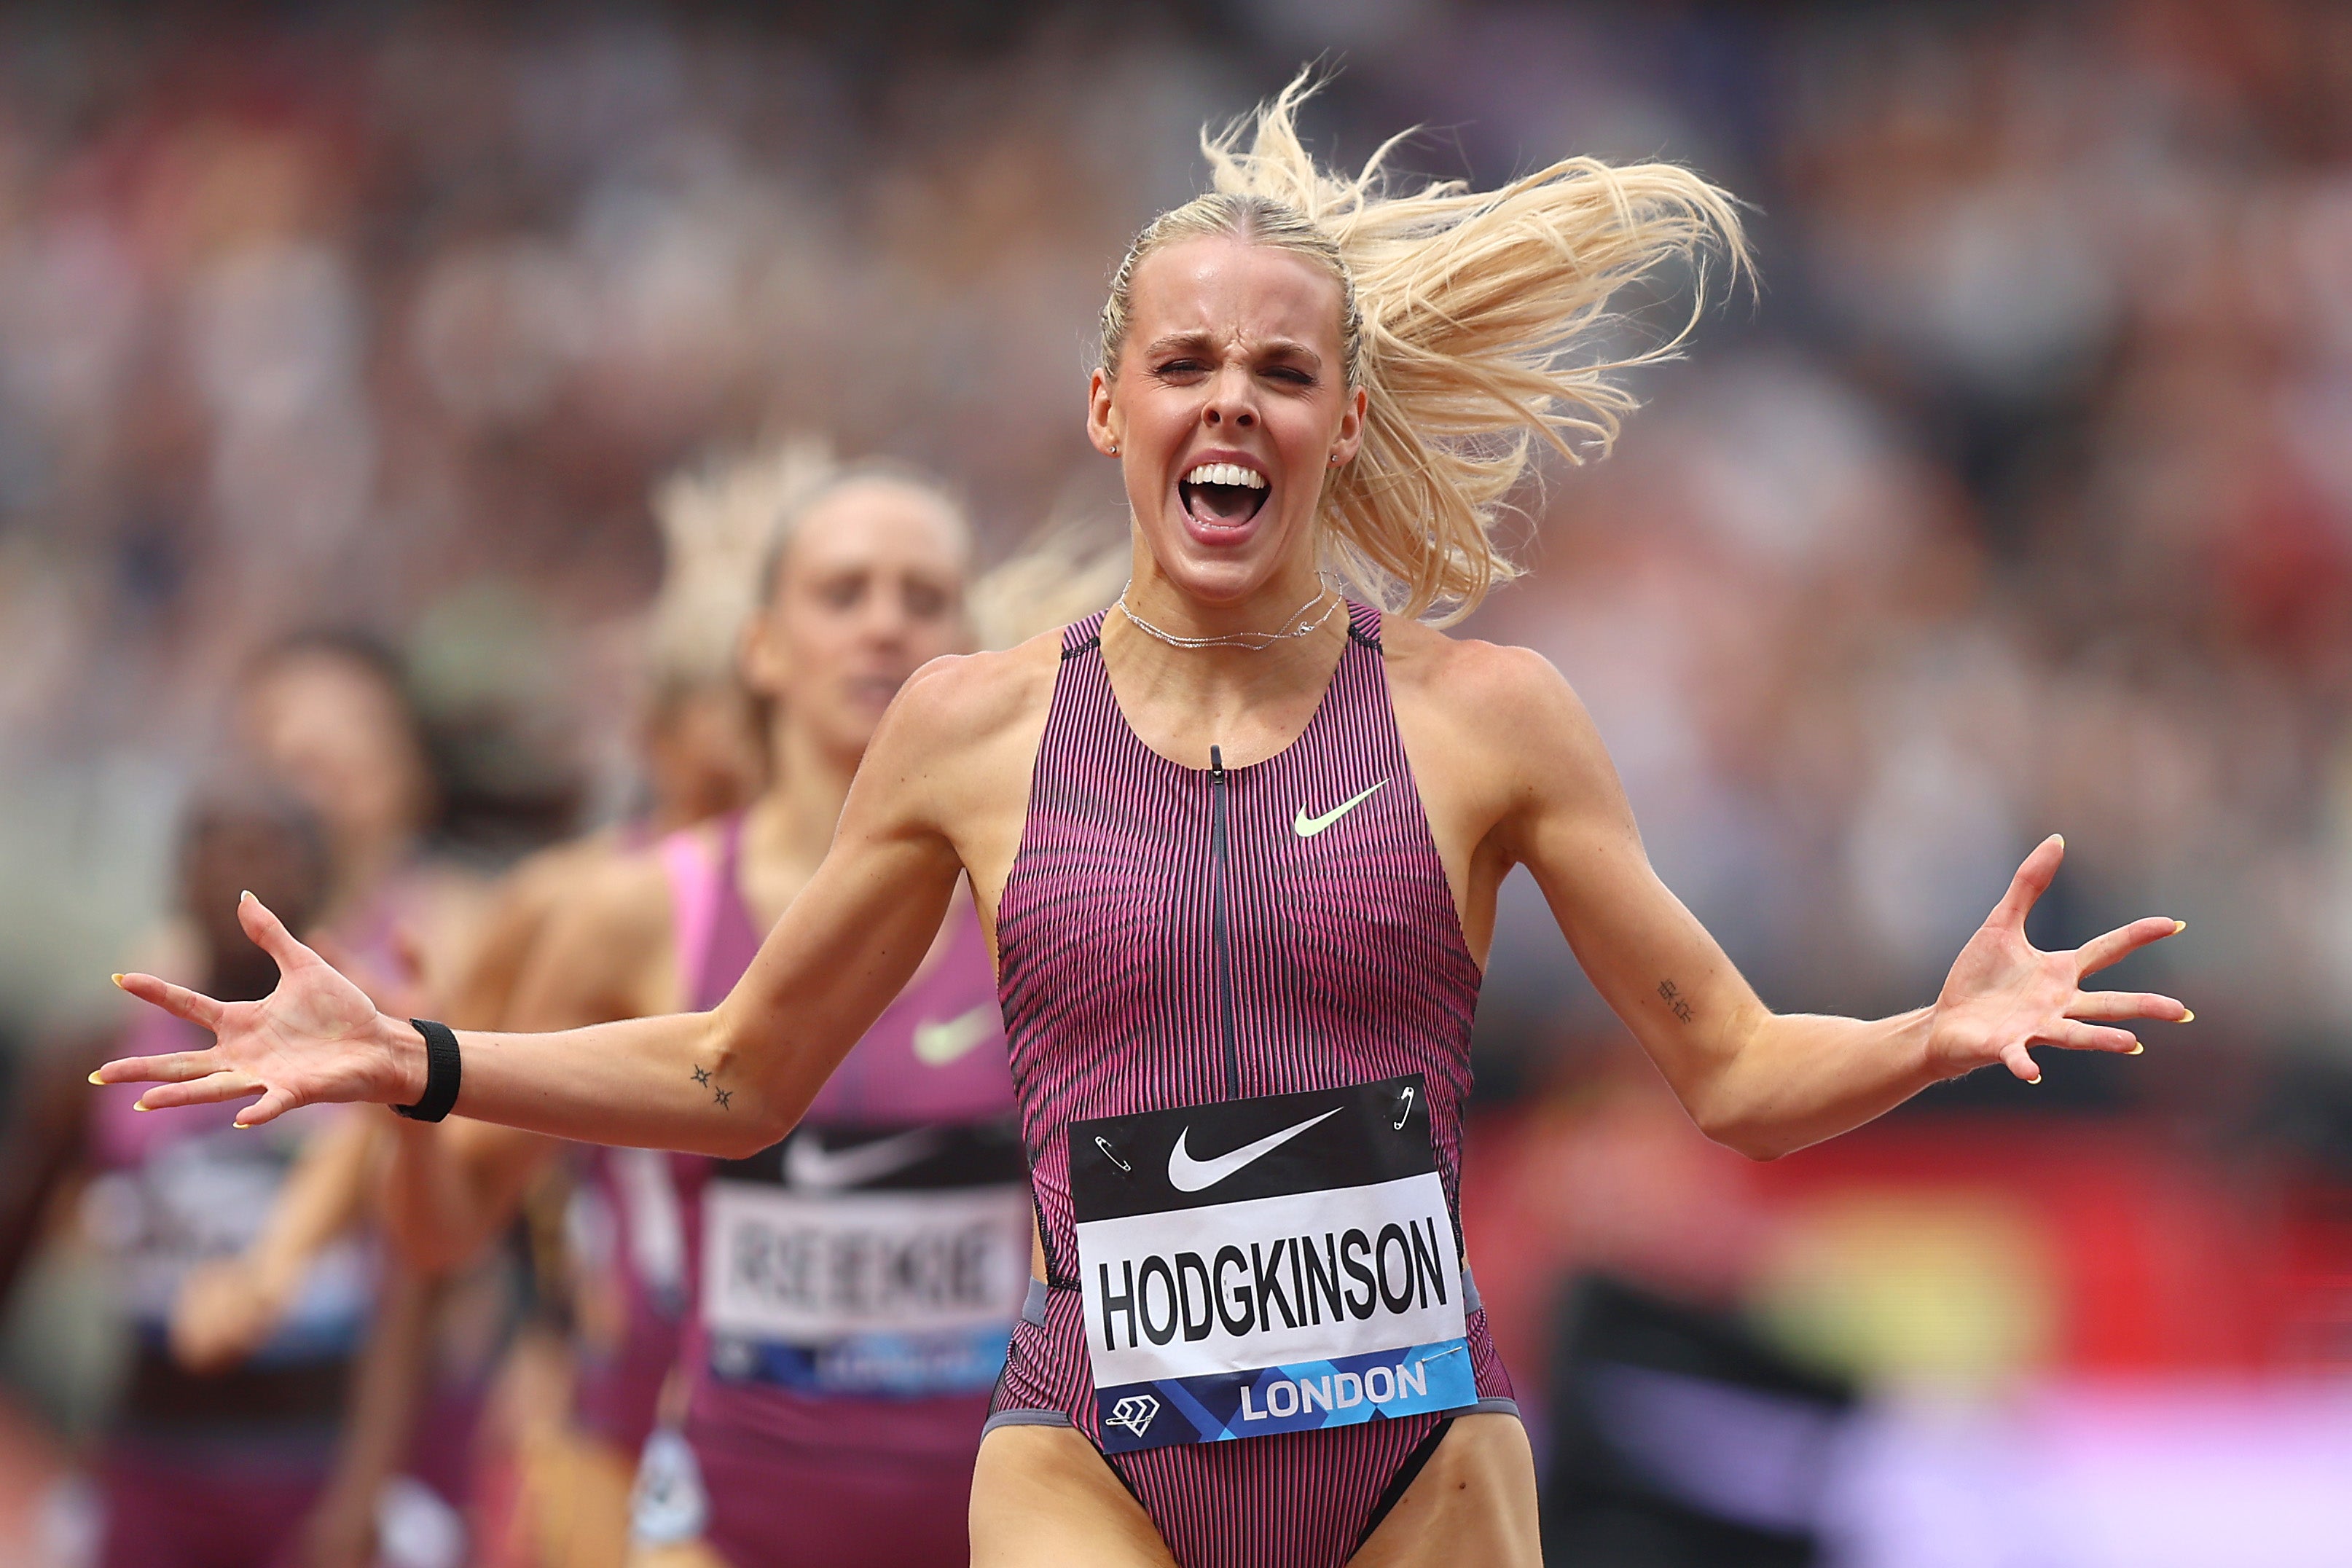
[(441, 1073)]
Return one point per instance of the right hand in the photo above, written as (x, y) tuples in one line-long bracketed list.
[(315, 1038)]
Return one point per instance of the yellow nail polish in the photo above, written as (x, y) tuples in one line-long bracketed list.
[(118, 982), (2179, 926), (2137, 1048), (2187, 1016), (2035, 1079), (245, 895), (98, 1080), (140, 1105)]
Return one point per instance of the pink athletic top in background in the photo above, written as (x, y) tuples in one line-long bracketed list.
[(813, 1427)]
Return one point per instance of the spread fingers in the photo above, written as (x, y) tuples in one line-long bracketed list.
[(226, 1084), (2114, 1006), (180, 1066), (177, 1000), (2092, 1038), (2102, 951)]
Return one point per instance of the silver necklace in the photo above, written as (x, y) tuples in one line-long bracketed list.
[(1253, 642)]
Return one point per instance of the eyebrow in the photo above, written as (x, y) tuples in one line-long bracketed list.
[(1200, 341)]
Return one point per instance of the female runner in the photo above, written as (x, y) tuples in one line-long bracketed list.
[(539, 1491), (831, 1413), (1237, 843)]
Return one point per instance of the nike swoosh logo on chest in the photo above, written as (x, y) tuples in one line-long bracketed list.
[(1307, 826)]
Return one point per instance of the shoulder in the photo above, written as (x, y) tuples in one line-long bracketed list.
[(963, 694), (957, 741), (604, 951), (615, 902), (1492, 685), (962, 715), (1495, 723)]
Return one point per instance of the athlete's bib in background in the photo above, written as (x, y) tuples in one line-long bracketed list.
[(887, 1261), (1271, 1265)]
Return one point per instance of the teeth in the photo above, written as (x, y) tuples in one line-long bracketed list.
[(1226, 474)]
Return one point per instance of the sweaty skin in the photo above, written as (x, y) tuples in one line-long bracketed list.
[(1233, 355)]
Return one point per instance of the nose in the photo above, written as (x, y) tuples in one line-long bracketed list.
[(1231, 400), (885, 615)]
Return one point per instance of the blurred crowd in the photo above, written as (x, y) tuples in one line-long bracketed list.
[(2013, 495)]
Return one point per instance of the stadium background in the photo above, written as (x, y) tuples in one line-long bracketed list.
[(2017, 499)]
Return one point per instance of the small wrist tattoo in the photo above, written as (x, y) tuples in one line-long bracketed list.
[(701, 1077), (722, 1096), (1676, 1002)]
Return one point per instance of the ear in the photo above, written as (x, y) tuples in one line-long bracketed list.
[(1101, 428), (1350, 436)]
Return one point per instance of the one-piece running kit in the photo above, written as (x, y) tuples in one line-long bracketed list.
[(1238, 1004)]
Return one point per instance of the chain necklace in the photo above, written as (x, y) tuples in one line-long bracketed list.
[(1252, 642)]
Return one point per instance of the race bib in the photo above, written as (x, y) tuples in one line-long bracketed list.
[(1271, 1265), (888, 1263)]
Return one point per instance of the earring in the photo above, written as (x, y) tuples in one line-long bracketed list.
[(1114, 449), (1335, 459)]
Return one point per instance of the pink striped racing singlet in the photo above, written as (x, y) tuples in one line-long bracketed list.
[(856, 1285), (1239, 1004)]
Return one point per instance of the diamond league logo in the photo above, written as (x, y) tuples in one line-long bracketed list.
[(1136, 1413)]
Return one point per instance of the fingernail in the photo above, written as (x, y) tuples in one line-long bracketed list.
[(98, 1080), (2187, 1016), (2137, 1048), (240, 899), (2062, 844), (2035, 1079), (140, 1105), (2179, 926), (117, 982)]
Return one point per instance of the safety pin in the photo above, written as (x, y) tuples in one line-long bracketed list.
[(1109, 1153), (1441, 1355), (1406, 1112)]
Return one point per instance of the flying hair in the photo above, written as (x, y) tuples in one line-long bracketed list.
[(720, 522), (1471, 319), (1063, 572)]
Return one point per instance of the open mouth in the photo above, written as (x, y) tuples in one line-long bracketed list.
[(1222, 495)]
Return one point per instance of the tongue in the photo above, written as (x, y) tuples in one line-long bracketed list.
[(1225, 506)]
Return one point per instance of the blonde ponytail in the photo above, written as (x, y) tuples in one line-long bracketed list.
[(1466, 318)]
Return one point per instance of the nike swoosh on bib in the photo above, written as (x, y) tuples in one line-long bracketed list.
[(1307, 826), (937, 1043), (808, 1163), (1187, 1175)]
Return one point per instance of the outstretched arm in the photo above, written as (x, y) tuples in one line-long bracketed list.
[(1768, 1083), (729, 1082)]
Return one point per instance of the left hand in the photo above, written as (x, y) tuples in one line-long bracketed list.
[(2004, 995)]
